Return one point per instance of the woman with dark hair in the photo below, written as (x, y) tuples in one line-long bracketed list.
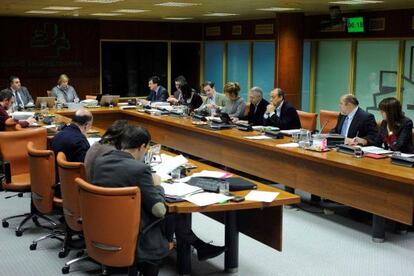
[(395, 132), (106, 144), (190, 98)]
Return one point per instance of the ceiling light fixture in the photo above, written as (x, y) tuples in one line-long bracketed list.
[(41, 12), (61, 8), (356, 2), (220, 14), (177, 4), (131, 11), (105, 14), (275, 9)]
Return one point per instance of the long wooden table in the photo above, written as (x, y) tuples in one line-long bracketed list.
[(258, 220), (375, 186)]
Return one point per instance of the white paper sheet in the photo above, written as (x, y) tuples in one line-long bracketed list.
[(375, 150), (93, 140), (262, 196), (258, 137), (288, 145), (407, 155), (169, 163), (204, 199), (290, 131), (179, 189)]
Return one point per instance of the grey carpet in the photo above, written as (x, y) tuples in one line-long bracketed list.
[(313, 244)]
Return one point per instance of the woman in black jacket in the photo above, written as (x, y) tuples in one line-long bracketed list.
[(395, 132)]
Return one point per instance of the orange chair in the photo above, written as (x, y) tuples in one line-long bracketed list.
[(90, 97), (68, 172), (13, 149), (10, 125), (106, 211), (329, 118), (42, 180), (308, 120)]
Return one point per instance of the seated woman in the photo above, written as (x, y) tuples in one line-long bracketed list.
[(395, 132), (190, 98), (63, 92), (235, 105), (105, 145)]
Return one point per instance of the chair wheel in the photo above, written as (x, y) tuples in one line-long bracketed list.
[(5, 224), (65, 270), (63, 254), (80, 253), (33, 246), (19, 233)]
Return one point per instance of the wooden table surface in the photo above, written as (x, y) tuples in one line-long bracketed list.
[(375, 186)]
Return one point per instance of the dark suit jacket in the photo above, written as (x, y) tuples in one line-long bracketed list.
[(362, 124), (404, 141), (71, 142), (256, 118), (195, 103), (160, 96), (119, 169), (289, 118), (24, 95)]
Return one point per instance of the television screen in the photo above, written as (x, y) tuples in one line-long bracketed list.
[(355, 25)]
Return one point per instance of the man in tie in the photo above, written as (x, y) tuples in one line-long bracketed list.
[(257, 107), (20, 93), (158, 92), (354, 121), (214, 100)]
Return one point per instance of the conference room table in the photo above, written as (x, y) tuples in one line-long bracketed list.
[(261, 221), (371, 185)]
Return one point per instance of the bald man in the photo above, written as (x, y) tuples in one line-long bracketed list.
[(71, 140)]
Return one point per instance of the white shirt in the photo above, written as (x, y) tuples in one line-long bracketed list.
[(350, 118), (278, 110)]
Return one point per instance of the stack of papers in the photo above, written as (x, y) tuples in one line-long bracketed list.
[(179, 190), (258, 137), (375, 150), (204, 199), (168, 164), (206, 173), (261, 196), (290, 131)]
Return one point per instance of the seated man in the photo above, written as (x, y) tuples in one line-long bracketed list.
[(354, 121), (122, 168), (71, 140), (280, 113), (6, 101), (20, 93), (158, 92), (214, 100), (257, 107), (63, 92)]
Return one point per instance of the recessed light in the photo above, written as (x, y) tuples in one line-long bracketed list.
[(105, 14), (61, 8), (356, 2), (131, 11), (177, 4), (98, 1), (41, 12), (220, 14), (278, 9), (177, 18)]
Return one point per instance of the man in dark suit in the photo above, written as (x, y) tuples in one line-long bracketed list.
[(71, 140), (280, 113), (21, 94), (158, 92), (354, 121), (122, 168), (257, 107)]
